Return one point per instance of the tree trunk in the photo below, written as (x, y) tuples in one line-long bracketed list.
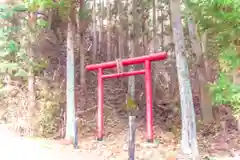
[(131, 21), (158, 67), (101, 17), (155, 23), (204, 50), (144, 29), (162, 25), (108, 30), (82, 70), (120, 31), (154, 34), (79, 40), (31, 75), (205, 98), (32, 97), (94, 31), (188, 140), (238, 124), (70, 110), (173, 88)]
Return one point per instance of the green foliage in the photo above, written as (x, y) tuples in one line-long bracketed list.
[(34, 5), (42, 23), (229, 59), (221, 18), (221, 89), (64, 7), (17, 35), (14, 59), (224, 91), (84, 14)]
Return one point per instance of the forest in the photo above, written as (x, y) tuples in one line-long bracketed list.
[(45, 88)]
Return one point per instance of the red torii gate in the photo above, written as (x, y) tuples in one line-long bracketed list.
[(148, 85)]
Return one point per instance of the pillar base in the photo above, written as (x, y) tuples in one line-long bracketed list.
[(100, 139), (182, 156), (150, 140), (75, 146)]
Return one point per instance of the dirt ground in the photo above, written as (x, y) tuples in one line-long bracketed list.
[(114, 145), (14, 147), (212, 140)]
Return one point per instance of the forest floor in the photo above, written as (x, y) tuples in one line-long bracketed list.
[(213, 142), (165, 144), (213, 145)]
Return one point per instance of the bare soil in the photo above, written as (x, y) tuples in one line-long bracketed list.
[(114, 147), (213, 143)]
